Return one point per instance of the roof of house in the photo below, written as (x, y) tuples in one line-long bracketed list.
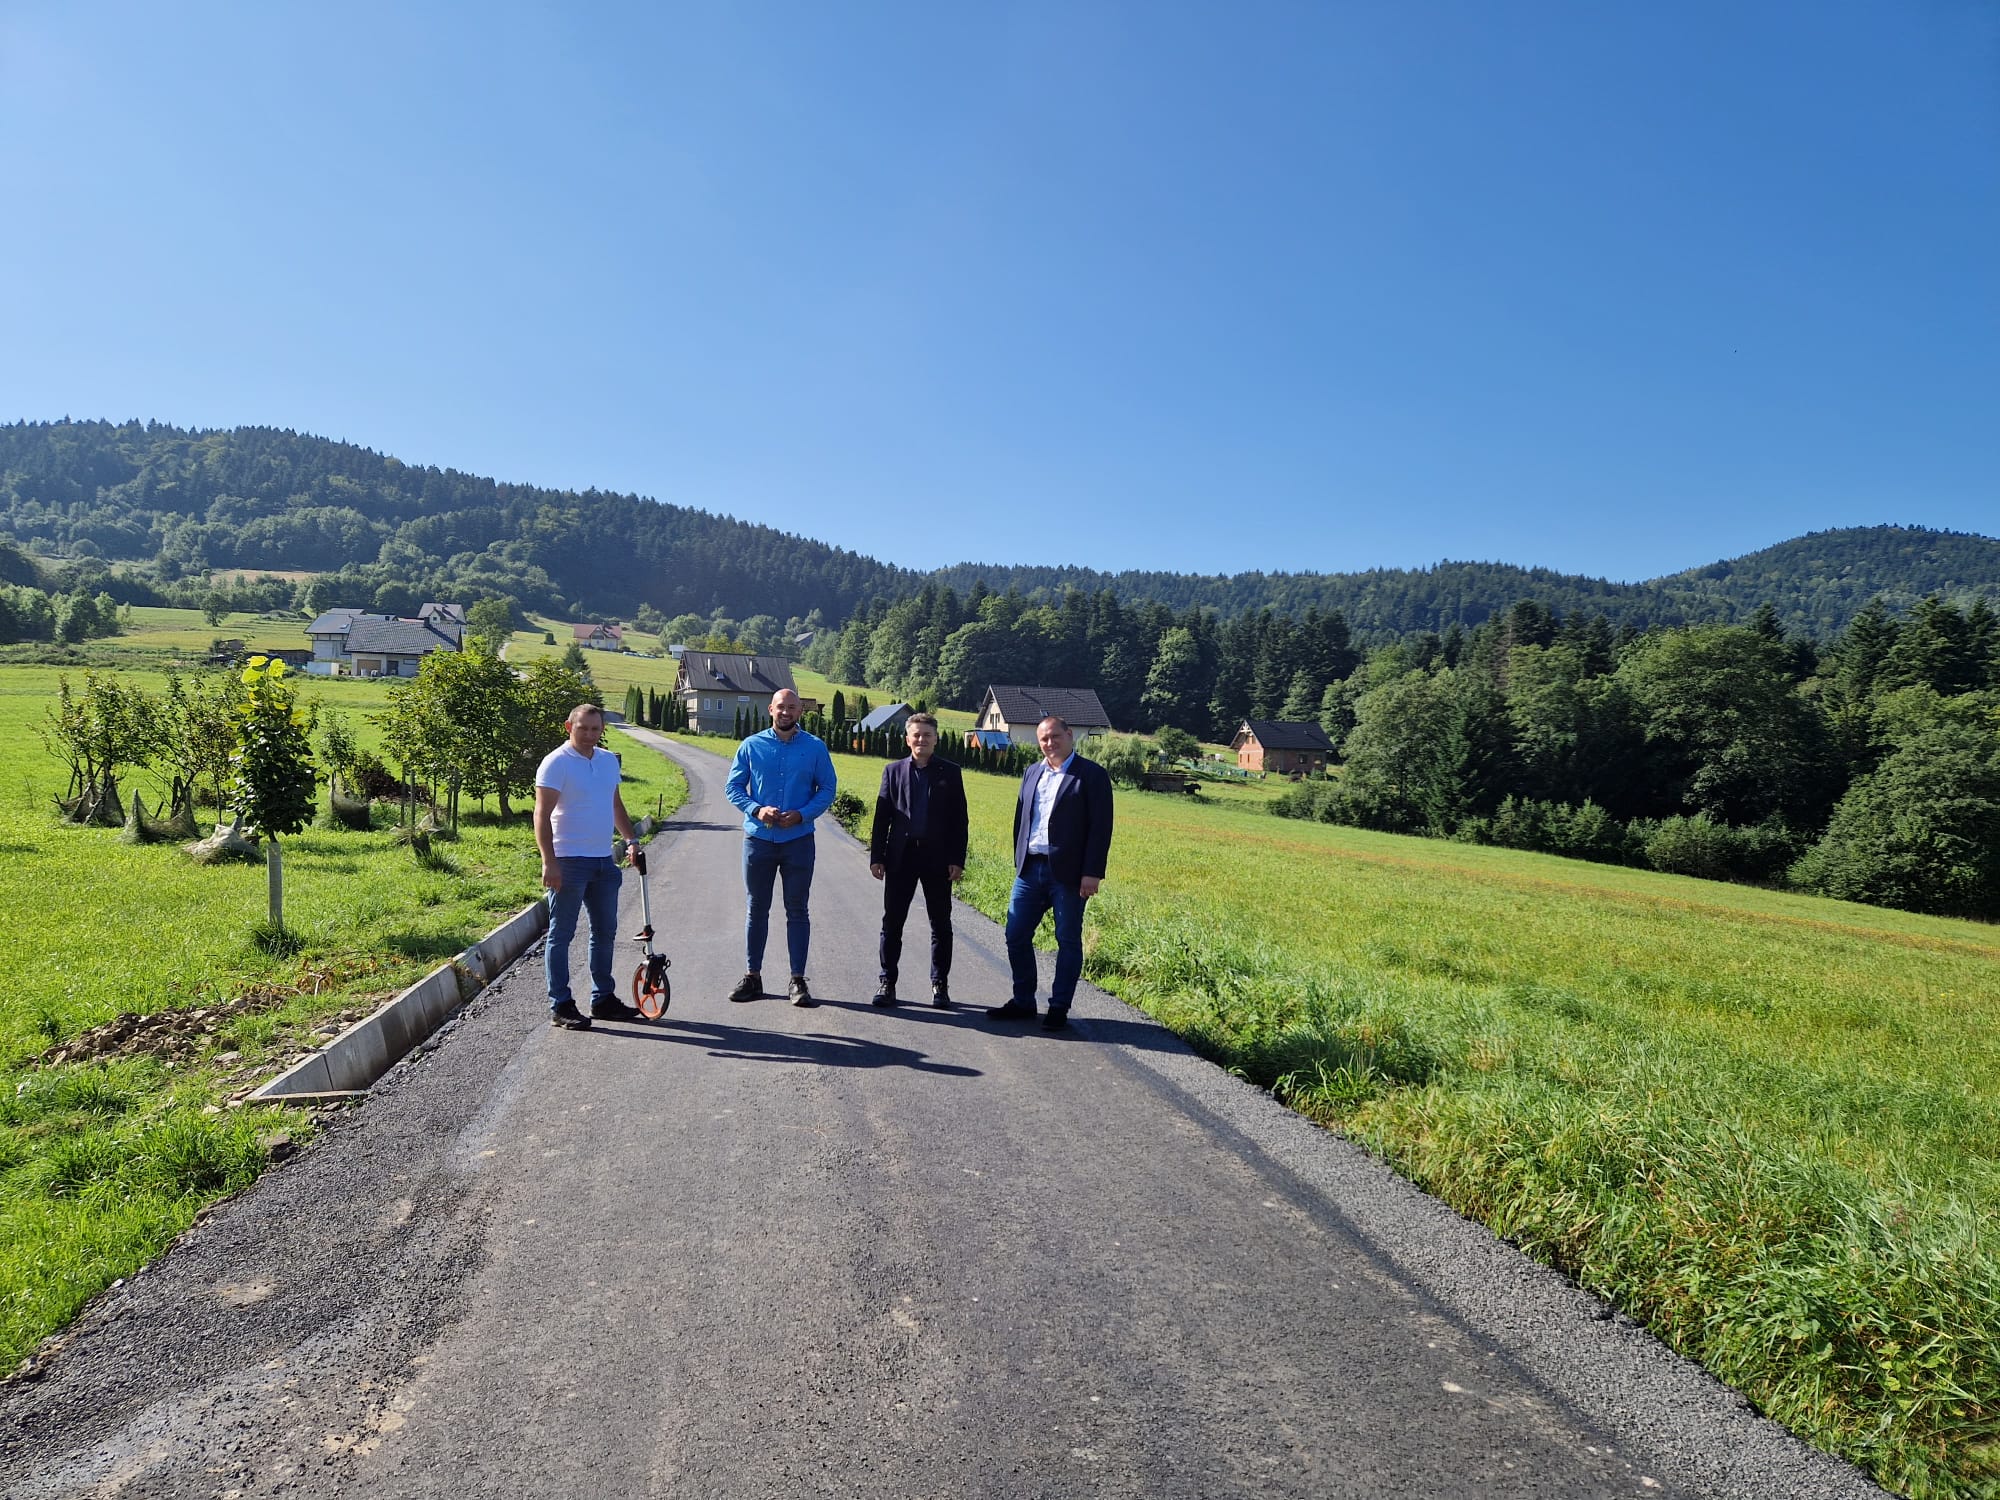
[(728, 672), (1076, 707), (442, 612), (591, 632), (1286, 734), (337, 621), (385, 637), (887, 714)]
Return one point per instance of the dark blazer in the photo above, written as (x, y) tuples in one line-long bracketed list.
[(945, 819), (1079, 820)]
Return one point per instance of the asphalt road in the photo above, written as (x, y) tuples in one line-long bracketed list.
[(765, 1251)]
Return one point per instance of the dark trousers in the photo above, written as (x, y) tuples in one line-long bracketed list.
[(898, 886)]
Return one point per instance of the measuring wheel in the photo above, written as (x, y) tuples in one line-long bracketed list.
[(650, 991)]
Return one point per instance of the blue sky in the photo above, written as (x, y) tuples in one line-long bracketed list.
[(1617, 289)]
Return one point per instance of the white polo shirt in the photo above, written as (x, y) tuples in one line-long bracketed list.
[(585, 791)]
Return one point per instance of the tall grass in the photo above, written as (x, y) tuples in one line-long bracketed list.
[(1768, 1126)]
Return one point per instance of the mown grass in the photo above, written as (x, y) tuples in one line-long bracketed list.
[(157, 633), (101, 1165), (1766, 1125)]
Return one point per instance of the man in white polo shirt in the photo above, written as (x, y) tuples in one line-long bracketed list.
[(576, 808)]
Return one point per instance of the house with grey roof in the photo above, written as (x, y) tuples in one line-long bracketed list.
[(888, 716), (713, 685), (354, 643), (1015, 711)]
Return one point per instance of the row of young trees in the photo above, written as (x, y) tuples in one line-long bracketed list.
[(468, 724), (1869, 770)]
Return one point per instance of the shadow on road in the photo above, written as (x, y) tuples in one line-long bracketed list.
[(1136, 1034), (751, 1045)]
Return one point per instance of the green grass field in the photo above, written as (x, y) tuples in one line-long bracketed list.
[(101, 1165), (1766, 1125)]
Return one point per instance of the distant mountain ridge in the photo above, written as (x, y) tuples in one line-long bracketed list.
[(257, 498)]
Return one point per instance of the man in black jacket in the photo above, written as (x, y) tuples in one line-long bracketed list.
[(1062, 840), (918, 839)]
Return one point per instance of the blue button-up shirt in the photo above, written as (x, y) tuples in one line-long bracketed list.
[(794, 774)]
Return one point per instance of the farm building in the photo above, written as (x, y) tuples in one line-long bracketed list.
[(1286, 747), (1015, 711), (599, 637), (712, 685)]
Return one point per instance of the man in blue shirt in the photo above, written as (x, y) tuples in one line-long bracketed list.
[(781, 781)]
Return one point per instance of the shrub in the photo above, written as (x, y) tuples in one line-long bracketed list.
[(1577, 832), (1713, 850), (1123, 756), (849, 811)]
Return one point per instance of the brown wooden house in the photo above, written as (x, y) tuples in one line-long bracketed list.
[(1282, 746)]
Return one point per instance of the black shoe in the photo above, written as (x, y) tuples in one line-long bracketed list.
[(567, 1016), (1013, 1010), (1056, 1020), (749, 987), (885, 996), (941, 997), (611, 1008), (800, 995)]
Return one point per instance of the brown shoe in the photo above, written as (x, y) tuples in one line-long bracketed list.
[(749, 987), (800, 995)]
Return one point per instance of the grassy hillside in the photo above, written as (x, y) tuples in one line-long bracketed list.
[(1766, 1125)]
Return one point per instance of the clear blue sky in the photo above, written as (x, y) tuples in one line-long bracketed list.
[(1612, 288)]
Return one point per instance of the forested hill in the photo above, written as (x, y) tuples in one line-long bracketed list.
[(1815, 582), (255, 498), (262, 499)]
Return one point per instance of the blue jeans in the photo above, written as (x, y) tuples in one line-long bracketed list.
[(589, 883), (763, 861), (1035, 893)]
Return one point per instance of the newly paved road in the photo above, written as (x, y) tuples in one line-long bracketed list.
[(762, 1251)]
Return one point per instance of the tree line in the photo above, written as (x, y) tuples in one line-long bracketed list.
[(1869, 770), (33, 614)]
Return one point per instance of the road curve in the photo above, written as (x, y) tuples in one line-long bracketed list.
[(762, 1251)]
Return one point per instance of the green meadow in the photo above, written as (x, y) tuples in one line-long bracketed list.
[(1766, 1125), (103, 1163)]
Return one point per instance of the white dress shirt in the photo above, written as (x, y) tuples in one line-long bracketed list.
[(1045, 798)]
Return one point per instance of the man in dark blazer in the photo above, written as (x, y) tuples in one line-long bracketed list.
[(918, 839), (1062, 838)]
